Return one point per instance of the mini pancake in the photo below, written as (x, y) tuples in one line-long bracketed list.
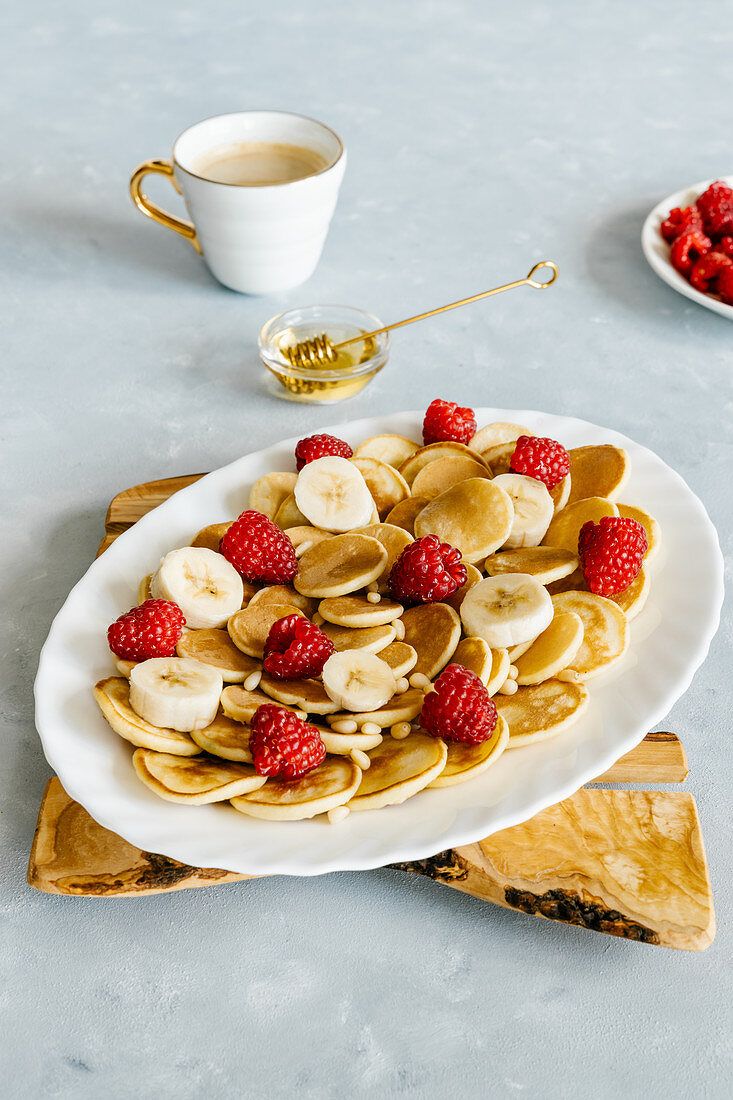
[(225, 738), (500, 662), (431, 453), (249, 627), (598, 471), (400, 708), (552, 650), (394, 539), (215, 648), (540, 711), (123, 667), (269, 492), (307, 695), (496, 434), (467, 761), (574, 582), (329, 785), (209, 537), (143, 589), (560, 493), (473, 576), (113, 698), (195, 782), (387, 485), (240, 704), (651, 528), (374, 639), (565, 527), (475, 515), (544, 563), (517, 651), (392, 449), (433, 630), (404, 514), (398, 770), (476, 655), (340, 565), (341, 744), (299, 535), (440, 475), (400, 657), (499, 458), (283, 593), (632, 599), (357, 611), (606, 632), (289, 514)]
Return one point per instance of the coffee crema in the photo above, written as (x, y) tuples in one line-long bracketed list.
[(259, 163)]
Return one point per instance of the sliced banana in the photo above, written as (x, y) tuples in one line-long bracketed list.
[(476, 516), (357, 680), (113, 698), (329, 785), (533, 509), (175, 693), (544, 563), (467, 761), (332, 494), (269, 492), (398, 770), (194, 782), (215, 647), (433, 630), (392, 449), (552, 651), (507, 610), (206, 587)]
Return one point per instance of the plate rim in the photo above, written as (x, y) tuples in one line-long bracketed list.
[(405, 851), (651, 238)]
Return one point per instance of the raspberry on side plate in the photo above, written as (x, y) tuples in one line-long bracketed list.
[(282, 744), (427, 570), (716, 207), (687, 250), (444, 420), (725, 245), (317, 446), (544, 459), (259, 550), (704, 274), (680, 220), (611, 552), (725, 285), (296, 648), (459, 709), (153, 629)]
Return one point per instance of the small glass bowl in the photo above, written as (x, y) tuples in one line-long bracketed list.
[(320, 385)]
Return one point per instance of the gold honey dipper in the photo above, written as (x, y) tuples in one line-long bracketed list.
[(320, 350)]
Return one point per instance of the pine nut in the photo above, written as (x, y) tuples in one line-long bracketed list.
[(509, 687), (360, 759), (318, 619), (401, 730), (402, 685), (338, 813), (373, 597), (253, 680), (371, 728), (513, 672), (373, 586), (346, 725), (399, 628), (420, 680)]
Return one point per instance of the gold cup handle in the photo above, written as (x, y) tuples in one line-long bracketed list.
[(151, 209)]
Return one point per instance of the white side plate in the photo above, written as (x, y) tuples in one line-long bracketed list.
[(669, 640)]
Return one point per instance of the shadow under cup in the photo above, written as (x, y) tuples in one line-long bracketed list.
[(255, 239)]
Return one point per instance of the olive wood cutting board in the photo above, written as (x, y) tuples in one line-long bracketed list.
[(630, 863)]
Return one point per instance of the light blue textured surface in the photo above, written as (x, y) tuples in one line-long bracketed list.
[(481, 137)]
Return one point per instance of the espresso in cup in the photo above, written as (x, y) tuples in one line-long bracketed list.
[(259, 163)]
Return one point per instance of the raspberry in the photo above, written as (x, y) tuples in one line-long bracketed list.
[(427, 570), (687, 250), (446, 420), (716, 207), (151, 630), (259, 550), (283, 744), (316, 446), (460, 708), (680, 221), (705, 273), (541, 458), (611, 552), (725, 285), (296, 648), (725, 245)]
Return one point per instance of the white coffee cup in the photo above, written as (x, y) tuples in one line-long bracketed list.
[(255, 239)]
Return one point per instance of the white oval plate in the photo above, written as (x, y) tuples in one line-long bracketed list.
[(656, 248), (669, 640)]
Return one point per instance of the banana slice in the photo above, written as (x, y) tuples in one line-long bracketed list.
[(398, 770), (475, 515), (392, 449), (357, 611), (332, 494), (473, 576), (194, 782), (374, 639), (433, 630), (497, 434), (533, 509), (431, 453), (564, 530), (210, 536), (225, 738), (113, 698), (553, 650), (467, 761), (651, 527), (324, 788), (206, 587), (544, 563), (606, 632), (249, 627), (216, 648), (269, 492), (357, 680), (539, 711), (340, 565), (175, 693), (386, 485), (598, 471), (400, 657), (440, 475), (405, 513), (507, 610)]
